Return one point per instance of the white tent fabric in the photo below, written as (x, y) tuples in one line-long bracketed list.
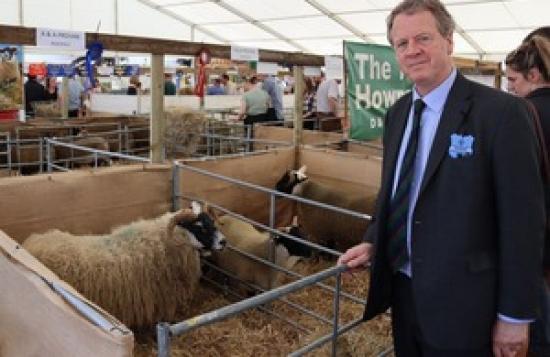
[(487, 29)]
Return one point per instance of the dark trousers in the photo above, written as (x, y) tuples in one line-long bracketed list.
[(249, 120), (539, 344), (407, 336)]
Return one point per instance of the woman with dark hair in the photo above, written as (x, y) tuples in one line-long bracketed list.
[(528, 73), (541, 31)]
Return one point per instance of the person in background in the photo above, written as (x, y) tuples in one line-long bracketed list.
[(76, 94), (457, 234), (97, 87), (309, 113), (215, 88), (133, 86), (254, 103), (34, 92), (51, 88), (327, 101), (275, 91), (528, 74), (169, 85), (254, 107), (229, 87)]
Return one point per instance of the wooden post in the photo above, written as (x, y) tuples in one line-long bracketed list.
[(157, 108), (298, 108)]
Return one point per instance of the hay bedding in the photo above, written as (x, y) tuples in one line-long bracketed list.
[(182, 131), (258, 334)]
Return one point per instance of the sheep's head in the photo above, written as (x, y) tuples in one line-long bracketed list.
[(199, 224), (294, 247), (290, 179)]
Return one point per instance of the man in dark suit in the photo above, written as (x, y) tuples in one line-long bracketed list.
[(456, 240)]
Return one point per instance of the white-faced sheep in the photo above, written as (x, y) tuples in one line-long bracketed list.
[(325, 227), (247, 238), (141, 273)]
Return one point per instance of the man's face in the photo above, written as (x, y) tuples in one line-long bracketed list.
[(517, 83), (423, 54)]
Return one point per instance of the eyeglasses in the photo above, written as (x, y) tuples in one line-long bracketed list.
[(423, 39)]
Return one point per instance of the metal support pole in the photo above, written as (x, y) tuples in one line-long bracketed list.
[(126, 140), (175, 188), (119, 137), (248, 137), (163, 339), (40, 155), (336, 313), (95, 159), (209, 140), (271, 253), (8, 149), (49, 155)]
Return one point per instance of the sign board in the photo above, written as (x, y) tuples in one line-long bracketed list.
[(244, 54), (374, 84), (105, 70), (334, 67), (312, 71), (267, 68), (70, 40)]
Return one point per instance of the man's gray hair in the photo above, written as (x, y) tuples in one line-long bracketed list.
[(444, 20)]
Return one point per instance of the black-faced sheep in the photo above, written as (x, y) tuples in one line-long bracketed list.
[(325, 227), (141, 273), (247, 238)]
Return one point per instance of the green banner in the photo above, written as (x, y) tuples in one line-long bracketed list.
[(374, 83)]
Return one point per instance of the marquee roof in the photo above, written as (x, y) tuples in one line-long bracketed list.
[(487, 29)]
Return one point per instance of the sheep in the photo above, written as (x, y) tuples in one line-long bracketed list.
[(328, 228), (293, 246), (245, 237), (141, 273), (79, 157)]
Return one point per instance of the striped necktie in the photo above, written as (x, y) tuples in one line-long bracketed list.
[(399, 205)]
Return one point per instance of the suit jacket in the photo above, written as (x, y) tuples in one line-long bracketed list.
[(478, 223)]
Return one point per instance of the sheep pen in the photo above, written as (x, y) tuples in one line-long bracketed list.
[(141, 273)]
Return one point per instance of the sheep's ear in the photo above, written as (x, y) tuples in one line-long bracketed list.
[(301, 173), (180, 218), (211, 212), (196, 208)]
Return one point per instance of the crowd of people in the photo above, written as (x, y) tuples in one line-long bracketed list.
[(36, 92)]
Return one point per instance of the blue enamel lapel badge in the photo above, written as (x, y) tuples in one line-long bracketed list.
[(461, 146)]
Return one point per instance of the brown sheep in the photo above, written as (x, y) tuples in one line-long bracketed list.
[(322, 226), (245, 237)]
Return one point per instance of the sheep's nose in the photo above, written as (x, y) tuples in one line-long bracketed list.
[(223, 243)]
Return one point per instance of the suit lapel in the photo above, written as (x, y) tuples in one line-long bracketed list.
[(454, 113)]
